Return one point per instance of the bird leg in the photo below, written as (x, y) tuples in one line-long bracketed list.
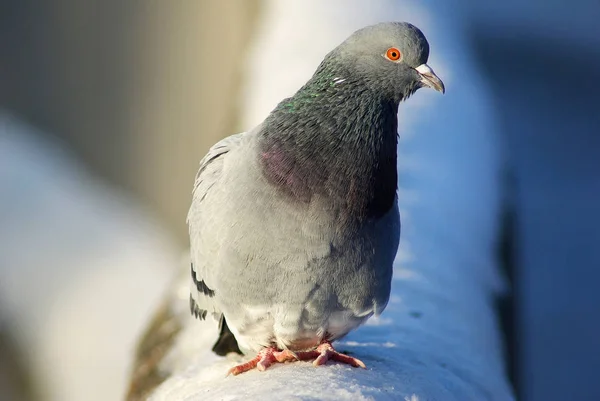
[(268, 356), (265, 358)]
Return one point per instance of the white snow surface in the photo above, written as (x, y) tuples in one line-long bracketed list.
[(438, 339)]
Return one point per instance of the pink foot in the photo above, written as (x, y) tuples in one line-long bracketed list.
[(321, 355), (263, 360), (326, 352)]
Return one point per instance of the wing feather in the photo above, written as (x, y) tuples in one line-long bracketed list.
[(202, 295)]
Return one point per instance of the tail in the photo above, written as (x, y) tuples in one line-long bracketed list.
[(226, 342)]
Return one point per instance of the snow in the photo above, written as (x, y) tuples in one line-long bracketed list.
[(438, 338)]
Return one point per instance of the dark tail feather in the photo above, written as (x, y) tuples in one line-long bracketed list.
[(226, 342)]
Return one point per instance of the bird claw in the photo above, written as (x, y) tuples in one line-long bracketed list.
[(286, 356), (327, 352), (268, 356), (263, 360)]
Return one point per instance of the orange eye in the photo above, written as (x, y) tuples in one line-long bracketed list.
[(393, 54)]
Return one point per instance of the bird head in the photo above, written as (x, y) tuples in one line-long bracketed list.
[(390, 58)]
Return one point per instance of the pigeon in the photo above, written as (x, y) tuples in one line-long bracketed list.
[(294, 225)]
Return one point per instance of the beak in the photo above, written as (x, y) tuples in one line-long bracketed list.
[(429, 79)]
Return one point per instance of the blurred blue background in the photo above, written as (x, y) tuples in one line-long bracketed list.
[(126, 97), (542, 59)]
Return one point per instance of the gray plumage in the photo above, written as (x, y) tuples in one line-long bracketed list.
[(294, 225)]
